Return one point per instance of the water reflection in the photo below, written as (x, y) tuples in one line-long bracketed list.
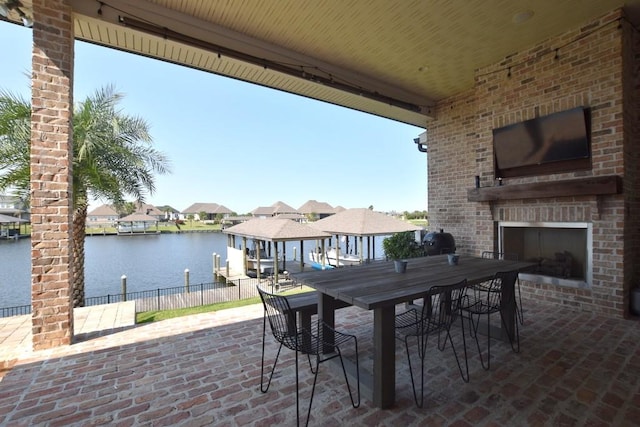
[(149, 262)]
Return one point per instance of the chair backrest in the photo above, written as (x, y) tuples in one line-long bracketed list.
[(500, 255), (502, 280), (442, 304), (282, 319)]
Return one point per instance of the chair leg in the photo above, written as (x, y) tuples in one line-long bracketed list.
[(313, 389), (473, 332), (515, 341), (474, 326), (465, 374), (310, 364), (519, 310), (354, 402), (442, 344), (488, 366), (275, 362), (420, 402)]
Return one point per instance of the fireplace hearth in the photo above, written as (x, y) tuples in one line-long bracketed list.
[(561, 250)]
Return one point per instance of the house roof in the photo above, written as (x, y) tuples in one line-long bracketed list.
[(171, 209), (6, 219), (210, 208), (103, 210), (362, 222), (223, 210), (278, 208), (283, 208), (138, 217), (313, 206), (262, 211), (11, 211), (275, 230), (148, 209), (6, 198), (293, 216)]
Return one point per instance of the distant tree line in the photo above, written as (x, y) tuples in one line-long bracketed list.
[(416, 215)]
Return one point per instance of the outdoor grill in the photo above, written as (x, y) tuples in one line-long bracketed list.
[(436, 243)]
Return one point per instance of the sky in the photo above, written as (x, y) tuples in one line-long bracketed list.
[(239, 144)]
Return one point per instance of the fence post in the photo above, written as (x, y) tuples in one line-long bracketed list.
[(215, 270), (123, 281), (186, 279)]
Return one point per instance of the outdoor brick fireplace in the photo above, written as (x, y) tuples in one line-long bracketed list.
[(563, 251), (577, 222)]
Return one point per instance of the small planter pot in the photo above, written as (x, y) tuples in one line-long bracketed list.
[(400, 265)]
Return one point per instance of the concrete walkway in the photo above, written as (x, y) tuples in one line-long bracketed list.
[(15, 331), (574, 369)]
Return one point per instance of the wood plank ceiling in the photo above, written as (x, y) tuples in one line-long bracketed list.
[(392, 58)]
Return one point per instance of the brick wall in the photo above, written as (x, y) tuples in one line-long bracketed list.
[(51, 154), (631, 117), (583, 67)]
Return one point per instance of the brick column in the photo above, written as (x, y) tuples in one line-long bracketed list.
[(51, 183)]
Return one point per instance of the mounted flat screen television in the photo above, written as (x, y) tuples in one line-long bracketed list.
[(559, 142)]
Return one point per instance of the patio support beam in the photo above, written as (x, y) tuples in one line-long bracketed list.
[(51, 167)]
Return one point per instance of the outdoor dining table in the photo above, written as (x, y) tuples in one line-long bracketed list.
[(376, 286)]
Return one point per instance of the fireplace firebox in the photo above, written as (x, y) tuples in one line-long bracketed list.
[(562, 250)]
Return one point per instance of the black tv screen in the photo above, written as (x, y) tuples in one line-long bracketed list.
[(533, 146)]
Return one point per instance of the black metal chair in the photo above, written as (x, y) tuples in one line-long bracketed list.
[(498, 296), (441, 308), (312, 342), (511, 257)]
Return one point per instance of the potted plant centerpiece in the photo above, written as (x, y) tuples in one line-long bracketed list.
[(399, 247)]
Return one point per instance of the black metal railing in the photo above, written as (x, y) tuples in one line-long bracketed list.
[(18, 310), (177, 297)]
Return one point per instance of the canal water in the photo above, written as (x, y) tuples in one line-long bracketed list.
[(149, 262)]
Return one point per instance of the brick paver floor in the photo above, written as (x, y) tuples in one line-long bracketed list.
[(575, 369)]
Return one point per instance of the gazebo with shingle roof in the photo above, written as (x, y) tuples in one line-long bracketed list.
[(137, 223), (272, 230), (361, 222)]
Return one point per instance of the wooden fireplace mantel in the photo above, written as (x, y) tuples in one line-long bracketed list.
[(590, 186)]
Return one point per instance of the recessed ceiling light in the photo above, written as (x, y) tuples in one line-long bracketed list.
[(522, 17)]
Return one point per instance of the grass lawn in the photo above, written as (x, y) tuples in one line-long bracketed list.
[(421, 222), (163, 227), (154, 316)]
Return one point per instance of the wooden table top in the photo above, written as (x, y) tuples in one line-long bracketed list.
[(378, 285)]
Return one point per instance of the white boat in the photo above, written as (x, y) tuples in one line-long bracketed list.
[(266, 263), (340, 260)]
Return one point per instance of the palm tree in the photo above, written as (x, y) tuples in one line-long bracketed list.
[(112, 159)]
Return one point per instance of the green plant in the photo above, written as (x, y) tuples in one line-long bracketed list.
[(400, 246), (113, 158)]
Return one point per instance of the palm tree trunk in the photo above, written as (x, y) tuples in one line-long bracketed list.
[(77, 262)]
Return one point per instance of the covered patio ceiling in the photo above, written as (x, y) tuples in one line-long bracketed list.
[(393, 59)]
